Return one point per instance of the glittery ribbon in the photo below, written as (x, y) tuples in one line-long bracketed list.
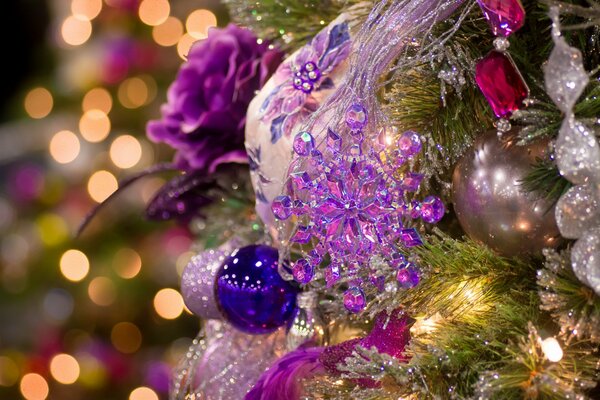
[(577, 156)]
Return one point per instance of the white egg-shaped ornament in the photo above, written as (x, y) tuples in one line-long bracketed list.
[(300, 84)]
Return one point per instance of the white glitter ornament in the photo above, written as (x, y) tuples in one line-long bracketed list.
[(298, 87), (564, 75), (585, 257), (578, 210), (577, 152), (577, 158), (223, 363)]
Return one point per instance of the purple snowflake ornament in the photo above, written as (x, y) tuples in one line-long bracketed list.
[(350, 204)]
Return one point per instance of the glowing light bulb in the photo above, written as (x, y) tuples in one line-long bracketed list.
[(552, 349)]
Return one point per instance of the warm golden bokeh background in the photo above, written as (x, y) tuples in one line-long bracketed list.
[(95, 317)]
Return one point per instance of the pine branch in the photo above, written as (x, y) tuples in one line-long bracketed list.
[(291, 23), (545, 181), (574, 306)]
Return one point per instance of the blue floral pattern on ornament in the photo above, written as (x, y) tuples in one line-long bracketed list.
[(350, 203), (302, 75)]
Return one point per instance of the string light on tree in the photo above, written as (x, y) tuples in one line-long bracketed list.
[(552, 349)]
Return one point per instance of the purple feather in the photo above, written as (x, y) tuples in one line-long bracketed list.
[(284, 379)]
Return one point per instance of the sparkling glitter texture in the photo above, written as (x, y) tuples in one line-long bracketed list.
[(351, 202), (208, 372), (577, 157), (198, 281)]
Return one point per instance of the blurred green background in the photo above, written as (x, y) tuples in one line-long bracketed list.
[(99, 316)]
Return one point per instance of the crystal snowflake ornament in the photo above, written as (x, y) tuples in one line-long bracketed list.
[(349, 200)]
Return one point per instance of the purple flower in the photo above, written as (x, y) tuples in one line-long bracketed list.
[(205, 113)]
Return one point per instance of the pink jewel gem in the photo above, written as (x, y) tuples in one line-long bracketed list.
[(504, 16), (501, 83)]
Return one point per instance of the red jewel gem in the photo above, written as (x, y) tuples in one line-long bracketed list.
[(501, 83), (504, 16)]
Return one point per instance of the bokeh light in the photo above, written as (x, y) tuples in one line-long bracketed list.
[(126, 337), (58, 305), (127, 263), (168, 33), (168, 303), (9, 371), (64, 368), (125, 151), (64, 147), (143, 393), (86, 9), (133, 92), (198, 22), (94, 125), (93, 372), (184, 45), (101, 185), (97, 98), (34, 387), (52, 228), (74, 265), (102, 291), (38, 102), (76, 31), (154, 12)]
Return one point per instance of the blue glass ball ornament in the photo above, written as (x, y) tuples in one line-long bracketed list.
[(251, 294)]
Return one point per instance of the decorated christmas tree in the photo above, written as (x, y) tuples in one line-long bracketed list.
[(383, 199), (425, 178)]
